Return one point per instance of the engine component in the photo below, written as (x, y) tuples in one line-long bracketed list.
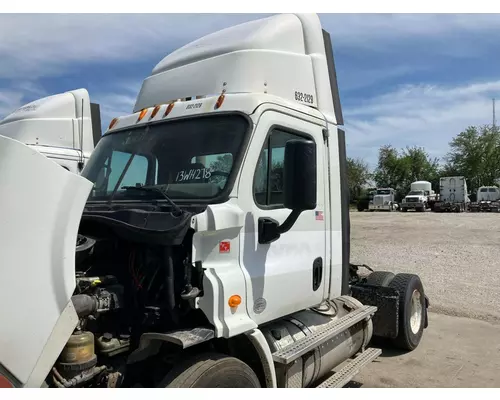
[(104, 299), (79, 348), (84, 248), (108, 345)]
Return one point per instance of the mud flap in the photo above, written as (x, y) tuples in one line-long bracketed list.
[(386, 318)]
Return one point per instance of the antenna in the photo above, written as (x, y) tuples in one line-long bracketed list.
[(80, 164)]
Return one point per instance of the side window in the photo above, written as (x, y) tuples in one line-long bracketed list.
[(268, 179), (136, 173)]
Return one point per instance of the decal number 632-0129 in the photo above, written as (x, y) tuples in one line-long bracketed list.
[(304, 97)]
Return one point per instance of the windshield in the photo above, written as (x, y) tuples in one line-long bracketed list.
[(190, 159), (416, 193), (383, 191)]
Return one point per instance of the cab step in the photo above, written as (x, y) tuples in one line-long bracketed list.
[(302, 346), (351, 369)]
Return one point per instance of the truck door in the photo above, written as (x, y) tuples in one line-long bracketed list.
[(288, 274)]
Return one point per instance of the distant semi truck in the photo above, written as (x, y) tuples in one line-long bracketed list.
[(384, 199), (487, 200), (453, 195), (365, 200)]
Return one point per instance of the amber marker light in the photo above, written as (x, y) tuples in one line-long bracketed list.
[(169, 109), (155, 111), (142, 114), (113, 123), (234, 301), (219, 102)]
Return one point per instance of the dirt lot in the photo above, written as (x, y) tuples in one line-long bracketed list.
[(457, 257)]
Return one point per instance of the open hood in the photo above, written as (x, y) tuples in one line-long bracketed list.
[(40, 209)]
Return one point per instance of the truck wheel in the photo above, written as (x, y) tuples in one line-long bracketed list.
[(404, 209), (380, 278), (211, 370), (360, 208), (411, 310)]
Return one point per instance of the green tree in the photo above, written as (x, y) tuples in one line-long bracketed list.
[(398, 169), (475, 154), (358, 175)]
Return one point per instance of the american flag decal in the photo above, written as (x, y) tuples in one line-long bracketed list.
[(319, 215)]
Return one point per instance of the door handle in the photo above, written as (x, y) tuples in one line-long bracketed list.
[(317, 273)]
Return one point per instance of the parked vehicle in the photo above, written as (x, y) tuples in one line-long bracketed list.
[(452, 194), (487, 200), (211, 233), (364, 201), (64, 127), (384, 200), (420, 197)]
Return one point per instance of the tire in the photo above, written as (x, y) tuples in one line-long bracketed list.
[(404, 209), (410, 330), (360, 208), (380, 278), (211, 370)]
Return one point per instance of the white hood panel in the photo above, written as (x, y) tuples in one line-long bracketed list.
[(40, 209)]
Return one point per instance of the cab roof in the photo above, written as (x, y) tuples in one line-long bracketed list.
[(286, 55)]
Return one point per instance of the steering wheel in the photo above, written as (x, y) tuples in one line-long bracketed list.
[(219, 173)]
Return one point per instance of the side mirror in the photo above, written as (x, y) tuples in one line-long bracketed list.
[(300, 182), (299, 188)]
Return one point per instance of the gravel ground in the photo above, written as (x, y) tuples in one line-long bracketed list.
[(455, 255)]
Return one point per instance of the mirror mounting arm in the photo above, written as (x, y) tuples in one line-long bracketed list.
[(270, 230)]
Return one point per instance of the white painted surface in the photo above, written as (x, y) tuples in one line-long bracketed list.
[(282, 55), (57, 125), (453, 189), (279, 275), (488, 193), (40, 210)]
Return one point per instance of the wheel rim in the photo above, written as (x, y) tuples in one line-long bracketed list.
[(416, 312)]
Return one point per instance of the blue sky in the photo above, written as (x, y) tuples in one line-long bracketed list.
[(405, 79)]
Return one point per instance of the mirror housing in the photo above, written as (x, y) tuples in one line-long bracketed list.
[(299, 188)]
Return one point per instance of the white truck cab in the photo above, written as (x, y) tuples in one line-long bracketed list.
[(212, 233), (420, 197), (453, 194), (384, 199), (487, 199), (64, 127)]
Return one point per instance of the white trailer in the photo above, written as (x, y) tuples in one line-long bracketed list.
[(453, 196), (211, 231), (64, 127)]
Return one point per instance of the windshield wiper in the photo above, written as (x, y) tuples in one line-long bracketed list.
[(157, 190)]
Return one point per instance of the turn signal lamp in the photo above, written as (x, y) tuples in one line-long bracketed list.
[(234, 301)]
